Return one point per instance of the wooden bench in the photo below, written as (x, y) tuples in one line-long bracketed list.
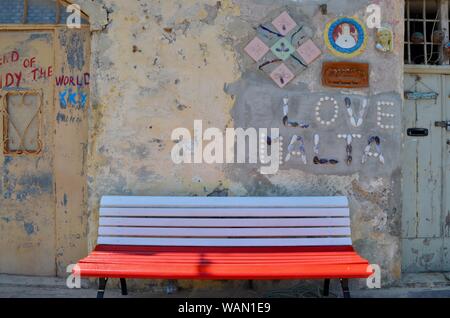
[(251, 238)]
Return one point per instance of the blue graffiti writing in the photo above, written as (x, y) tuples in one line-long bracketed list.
[(62, 99), (70, 98), (83, 97)]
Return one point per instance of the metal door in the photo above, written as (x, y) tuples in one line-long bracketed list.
[(426, 174), (27, 203)]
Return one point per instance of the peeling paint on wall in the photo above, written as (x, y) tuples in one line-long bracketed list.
[(160, 65), (29, 228), (74, 44)]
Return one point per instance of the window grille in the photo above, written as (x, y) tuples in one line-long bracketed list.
[(22, 116), (426, 32)]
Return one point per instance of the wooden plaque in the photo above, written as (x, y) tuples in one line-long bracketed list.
[(345, 74)]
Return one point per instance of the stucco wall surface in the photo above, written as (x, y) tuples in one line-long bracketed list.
[(160, 65)]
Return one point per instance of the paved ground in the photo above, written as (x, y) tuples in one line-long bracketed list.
[(434, 285)]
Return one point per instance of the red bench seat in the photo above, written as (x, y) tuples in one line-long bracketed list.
[(224, 263)]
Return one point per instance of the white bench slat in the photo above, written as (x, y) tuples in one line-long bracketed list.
[(225, 212), (224, 221), (220, 202), (228, 222), (236, 232), (224, 242)]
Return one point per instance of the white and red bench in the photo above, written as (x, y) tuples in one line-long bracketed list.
[(246, 238)]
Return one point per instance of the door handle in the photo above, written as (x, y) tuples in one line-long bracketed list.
[(418, 132)]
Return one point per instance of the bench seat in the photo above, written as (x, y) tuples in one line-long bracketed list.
[(242, 238), (253, 263)]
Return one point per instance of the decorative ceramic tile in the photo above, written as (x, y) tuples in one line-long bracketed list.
[(282, 75), (279, 46), (345, 74), (384, 40), (283, 49), (256, 49), (284, 23), (309, 51), (346, 37)]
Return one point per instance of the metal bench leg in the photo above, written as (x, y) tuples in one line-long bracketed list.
[(171, 287), (345, 289), (123, 286), (101, 287), (326, 288)]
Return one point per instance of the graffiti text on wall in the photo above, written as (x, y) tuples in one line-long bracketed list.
[(26, 68)]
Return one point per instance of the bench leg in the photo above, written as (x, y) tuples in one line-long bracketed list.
[(345, 289), (101, 287), (123, 286), (326, 288), (171, 287)]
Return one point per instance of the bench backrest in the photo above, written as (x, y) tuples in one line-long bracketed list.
[(225, 221)]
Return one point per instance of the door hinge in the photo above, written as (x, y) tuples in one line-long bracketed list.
[(443, 124)]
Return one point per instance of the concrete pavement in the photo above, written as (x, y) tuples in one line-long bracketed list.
[(430, 285)]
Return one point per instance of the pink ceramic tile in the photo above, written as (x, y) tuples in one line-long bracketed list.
[(284, 23), (282, 75), (256, 49), (309, 51)]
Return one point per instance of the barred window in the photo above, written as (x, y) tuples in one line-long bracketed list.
[(426, 32)]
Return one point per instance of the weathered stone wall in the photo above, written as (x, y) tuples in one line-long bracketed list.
[(160, 65)]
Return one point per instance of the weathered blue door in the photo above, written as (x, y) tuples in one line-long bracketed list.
[(426, 174)]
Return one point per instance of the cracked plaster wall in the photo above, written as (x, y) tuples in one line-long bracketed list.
[(159, 65)]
